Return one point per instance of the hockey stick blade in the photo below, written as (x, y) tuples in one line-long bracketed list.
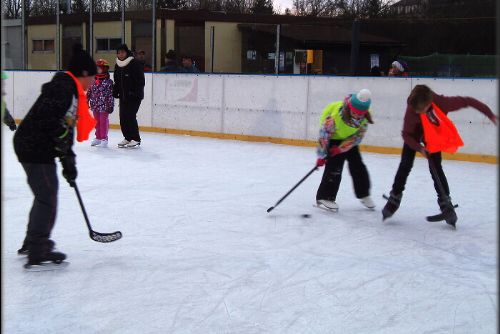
[(105, 237)]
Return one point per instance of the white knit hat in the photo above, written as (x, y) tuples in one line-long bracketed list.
[(398, 65)]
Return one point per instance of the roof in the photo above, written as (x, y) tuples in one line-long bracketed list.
[(328, 35)]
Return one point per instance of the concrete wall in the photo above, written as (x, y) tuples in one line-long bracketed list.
[(107, 30), (285, 107), (170, 35), (227, 55), (41, 60)]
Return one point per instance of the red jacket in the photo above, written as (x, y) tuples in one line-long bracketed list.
[(412, 127)]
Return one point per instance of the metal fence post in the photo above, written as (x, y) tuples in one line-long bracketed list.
[(277, 53)]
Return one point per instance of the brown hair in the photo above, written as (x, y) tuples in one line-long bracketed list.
[(420, 96)]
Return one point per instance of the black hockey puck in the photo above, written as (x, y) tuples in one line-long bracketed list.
[(306, 215)]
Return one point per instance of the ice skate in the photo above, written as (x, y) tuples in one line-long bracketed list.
[(367, 202), (95, 142), (123, 143), (48, 261), (133, 143), (327, 205), (392, 205)]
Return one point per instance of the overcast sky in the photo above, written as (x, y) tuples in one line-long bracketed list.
[(283, 3)]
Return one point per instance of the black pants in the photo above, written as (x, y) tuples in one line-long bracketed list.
[(42, 179), (406, 164), (332, 175), (128, 119)]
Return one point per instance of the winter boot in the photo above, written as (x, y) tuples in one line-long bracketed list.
[(368, 202), (392, 205)]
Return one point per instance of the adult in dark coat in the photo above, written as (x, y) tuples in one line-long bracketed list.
[(129, 89)]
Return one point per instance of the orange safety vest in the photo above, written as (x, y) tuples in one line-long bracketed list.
[(85, 122), (440, 134)]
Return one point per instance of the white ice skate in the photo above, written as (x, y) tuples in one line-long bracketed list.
[(327, 205), (95, 142), (368, 202), (104, 143), (133, 143), (123, 143)]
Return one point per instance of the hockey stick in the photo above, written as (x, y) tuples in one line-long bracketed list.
[(96, 236), (291, 190), (448, 213)]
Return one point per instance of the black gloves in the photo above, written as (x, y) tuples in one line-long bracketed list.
[(69, 169), (13, 127)]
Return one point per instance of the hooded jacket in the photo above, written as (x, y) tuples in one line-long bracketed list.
[(47, 131)]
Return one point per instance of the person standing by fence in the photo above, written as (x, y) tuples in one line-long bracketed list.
[(129, 89)]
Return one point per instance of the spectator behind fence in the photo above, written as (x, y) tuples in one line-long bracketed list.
[(376, 72), (188, 64), (397, 70), (171, 65), (141, 57)]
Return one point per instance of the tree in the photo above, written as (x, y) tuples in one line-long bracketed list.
[(171, 4), (262, 7), (342, 8), (79, 6)]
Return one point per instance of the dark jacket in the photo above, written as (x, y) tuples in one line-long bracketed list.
[(412, 127), (129, 81), (171, 67), (192, 69), (47, 130)]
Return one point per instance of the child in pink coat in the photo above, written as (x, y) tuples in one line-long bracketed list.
[(101, 101)]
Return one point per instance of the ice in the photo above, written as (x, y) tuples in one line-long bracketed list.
[(199, 253)]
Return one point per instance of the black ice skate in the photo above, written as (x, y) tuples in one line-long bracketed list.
[(447, 214), (48, 261), (392, 205), (23, 251)]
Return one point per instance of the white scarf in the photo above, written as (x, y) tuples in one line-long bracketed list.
[(123, 63)]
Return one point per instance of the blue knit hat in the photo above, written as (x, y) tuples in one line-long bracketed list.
[(360, 102)]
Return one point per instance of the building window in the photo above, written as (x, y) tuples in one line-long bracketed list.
[(108, 44), (43, 45)]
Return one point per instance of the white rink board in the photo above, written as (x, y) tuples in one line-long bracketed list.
[(280, 106), (265, 106), (188, 102)]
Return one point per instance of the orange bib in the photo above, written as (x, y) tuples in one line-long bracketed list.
[(440, 134), (85, 122)]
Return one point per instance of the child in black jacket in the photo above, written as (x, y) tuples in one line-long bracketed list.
[(45, 133)]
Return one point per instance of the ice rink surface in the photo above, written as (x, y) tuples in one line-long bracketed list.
[(199, 253)]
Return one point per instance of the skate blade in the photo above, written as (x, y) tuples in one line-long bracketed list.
[(325, 208), (48, 266)]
